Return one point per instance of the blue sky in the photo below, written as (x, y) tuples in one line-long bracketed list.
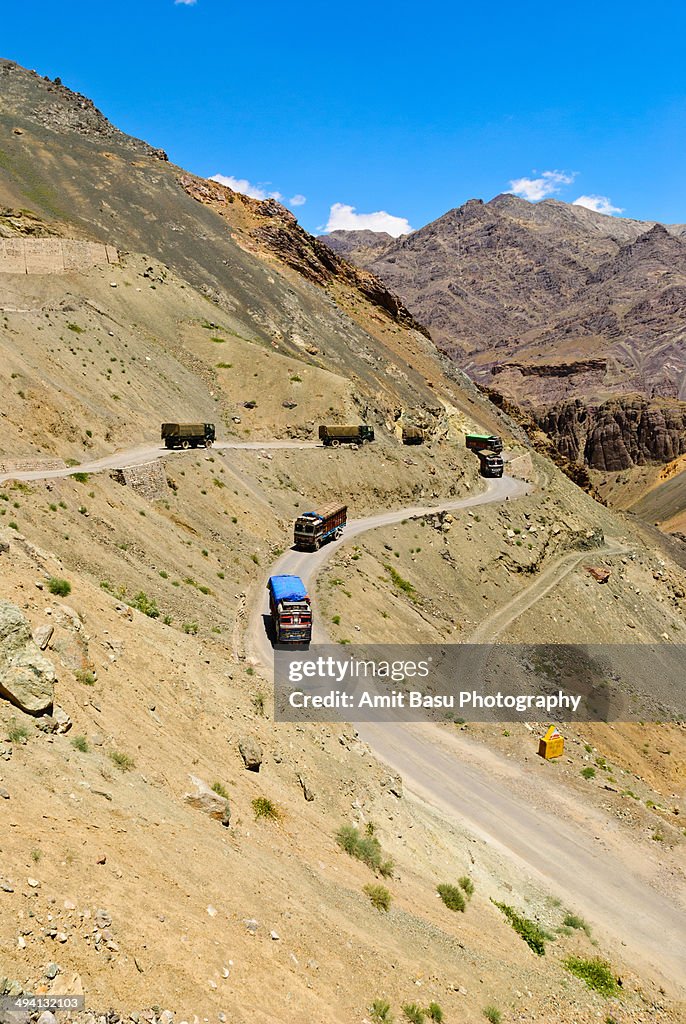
[(403, 109)]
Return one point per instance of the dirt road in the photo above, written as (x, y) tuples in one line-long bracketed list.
[(145, 453), (577, 853)]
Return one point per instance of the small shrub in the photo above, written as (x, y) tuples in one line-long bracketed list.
[(36, 855), (574, 921), (366, 848), (413, 1013), (452, 897), (81, 478), (336, 619), (402, 584), (265, 808), (533, 935), (255, 559), (258, 702), (80, 743), (380, 1012), (146, 605), (85, 676), (220, 790), (17, 733), (379, 896), (122, 761), (57, 586), (492, 1014), (595, 972), (466, 885), (588, 772), (434, 1012), (190, 627)]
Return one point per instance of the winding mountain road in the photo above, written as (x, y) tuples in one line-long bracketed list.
[(548, 834), (145, 453), (575, 851)]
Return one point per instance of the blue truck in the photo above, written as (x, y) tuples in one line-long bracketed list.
[(290, 609)]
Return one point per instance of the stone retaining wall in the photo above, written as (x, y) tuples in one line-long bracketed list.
[(53, 255)]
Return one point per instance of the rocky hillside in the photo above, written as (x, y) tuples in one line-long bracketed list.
[(167, 849)]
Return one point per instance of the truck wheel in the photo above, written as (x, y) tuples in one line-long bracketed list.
[(335, 443), (338, 534), (208, 443), (185, 444)]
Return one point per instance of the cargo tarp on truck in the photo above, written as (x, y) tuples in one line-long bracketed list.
[(345, 434), (290, 610), (187, 435), (312, 529), (287, 588), (475, 442)]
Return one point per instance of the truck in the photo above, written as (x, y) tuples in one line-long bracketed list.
[(187, 435), (490, 462), (312, 529), (413, 435), (290, 610), (334, 436), (476, 442)]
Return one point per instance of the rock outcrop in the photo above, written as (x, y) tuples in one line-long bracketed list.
[(617, 434), (27, 678)]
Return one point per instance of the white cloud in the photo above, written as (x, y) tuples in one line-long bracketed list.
[(599, 204), (243, 185), (548, 183), (186, 3), (344, 218), (297, 200)]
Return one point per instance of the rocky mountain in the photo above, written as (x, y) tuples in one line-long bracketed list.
[(557, 308), (168, 849)]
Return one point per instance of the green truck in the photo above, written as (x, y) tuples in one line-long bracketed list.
[(333, 436), (477, 442), (188, 435)]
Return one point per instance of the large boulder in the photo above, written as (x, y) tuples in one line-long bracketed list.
[(251, 752), (27, 678), (208, 802)]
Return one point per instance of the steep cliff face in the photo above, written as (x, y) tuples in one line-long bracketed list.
[(617, 434)]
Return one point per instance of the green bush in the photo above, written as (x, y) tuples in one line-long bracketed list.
[(380, 1012), (588, 772), (59, 587), (146, 605), (265, 808), (533, 935), (122, 761), (16, 733), (595, 972), (190, 627), (434, 1012), (220, 790), (492, 1014), (574, 921), (379, 896), (80, 743), (413, 1013), (466, 885), (452, 897), (81, 478), (85, 676), (366, 848)]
